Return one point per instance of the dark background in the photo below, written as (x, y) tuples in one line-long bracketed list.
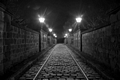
[(60, 14), (60, 40)]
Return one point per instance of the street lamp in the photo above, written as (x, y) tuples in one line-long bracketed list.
[(70, 30), (69, 38), (66, 35), (41, 20), (50, 30), (55, 35), (78, 20), (66, 38)]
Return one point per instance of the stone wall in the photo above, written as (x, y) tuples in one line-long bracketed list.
[(17, 42), (77, 38), (1, 38), (104, 43), (32, 42), (44, 42)]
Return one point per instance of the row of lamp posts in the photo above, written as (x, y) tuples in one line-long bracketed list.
[(69, 36), (42, 21)]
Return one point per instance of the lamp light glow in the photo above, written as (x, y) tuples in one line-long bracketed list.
[(41, 19), (78, 19), (54, 35), (70, 30), (66, 35), (50, 29)]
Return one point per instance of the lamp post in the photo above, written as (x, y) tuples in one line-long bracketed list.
[(50, 38), (50, 29), (70, 30), (70, 36), (78, 20), (54, 38), (55, 35), (66, 36), (41, 20)]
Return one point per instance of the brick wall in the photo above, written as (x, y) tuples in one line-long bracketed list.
[(104, 43)]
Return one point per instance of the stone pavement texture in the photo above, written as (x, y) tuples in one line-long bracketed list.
[(61, 66)]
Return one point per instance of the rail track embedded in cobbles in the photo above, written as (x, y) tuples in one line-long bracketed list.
[(61, 64)]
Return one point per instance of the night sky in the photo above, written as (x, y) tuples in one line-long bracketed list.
[(60, 14)]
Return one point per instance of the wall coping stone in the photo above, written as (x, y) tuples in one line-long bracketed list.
[(31, 30), (114, 11), (94, 29)]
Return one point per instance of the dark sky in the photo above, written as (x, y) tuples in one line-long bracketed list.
[(58, 12)]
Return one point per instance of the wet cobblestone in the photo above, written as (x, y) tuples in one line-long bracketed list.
[(61, 66)]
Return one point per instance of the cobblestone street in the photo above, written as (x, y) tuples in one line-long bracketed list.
[(59, 40), (61, 64)]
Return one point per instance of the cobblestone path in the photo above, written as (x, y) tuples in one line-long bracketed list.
[(61, 64)]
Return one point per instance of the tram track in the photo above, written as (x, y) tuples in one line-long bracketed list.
[(78, 65), (61, 64), (43, 65)]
